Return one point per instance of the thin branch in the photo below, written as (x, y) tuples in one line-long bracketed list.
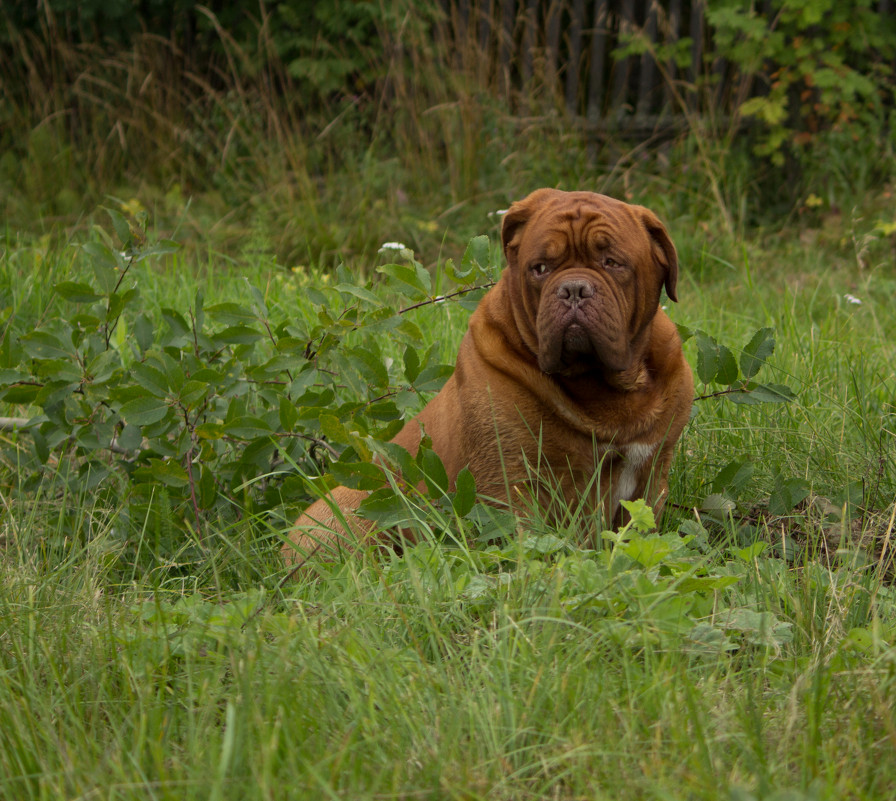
[(450, 295)]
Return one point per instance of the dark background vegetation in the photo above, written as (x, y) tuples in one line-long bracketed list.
[(311, 129)]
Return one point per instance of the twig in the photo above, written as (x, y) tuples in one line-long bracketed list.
[(450, 295)]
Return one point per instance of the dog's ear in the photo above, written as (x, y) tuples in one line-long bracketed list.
[(663, 251), (516, 218)]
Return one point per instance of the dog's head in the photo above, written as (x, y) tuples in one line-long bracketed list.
[(588, 271)]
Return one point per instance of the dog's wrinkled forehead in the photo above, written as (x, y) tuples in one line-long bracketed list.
[(588, 225)]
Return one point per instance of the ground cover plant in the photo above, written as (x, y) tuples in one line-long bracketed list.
[(177, 382)]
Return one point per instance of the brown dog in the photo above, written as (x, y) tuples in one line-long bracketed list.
[(570, 376)]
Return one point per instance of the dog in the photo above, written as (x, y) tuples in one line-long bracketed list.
[(570, 384)]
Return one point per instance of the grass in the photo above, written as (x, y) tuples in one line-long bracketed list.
[(741, 654), (463, 673)]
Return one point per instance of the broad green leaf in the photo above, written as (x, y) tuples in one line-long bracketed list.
[(786, 494), (727, 372), (705, 583), (750, 552), (232, 314), (120, 224), (733, 477), (465, 493), (105, 263), (289, 416), (41, 449), (332, 428), (130, 438), (358, 475), (193, 393), (414, 277), (758, 349), (411, 364), (386, 508), (238, 335), (476, 256), (647, 551), (763, 393), (434, 473), (22, 393), (707, 357), (166, 472), (143, 331), (150, 378), (77, 292), (642, 518), (684, 332), (44, 345), (117, 303), (359, 292), (144, 410), (248, 427)]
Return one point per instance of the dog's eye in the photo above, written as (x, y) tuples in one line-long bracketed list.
[(540, 269), (611, 263)]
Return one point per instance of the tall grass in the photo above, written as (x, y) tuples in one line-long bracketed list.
[(530, 669)]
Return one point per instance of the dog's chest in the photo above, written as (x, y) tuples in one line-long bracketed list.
[(615, 470)]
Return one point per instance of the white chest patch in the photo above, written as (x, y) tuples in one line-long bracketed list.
[(636, 455)]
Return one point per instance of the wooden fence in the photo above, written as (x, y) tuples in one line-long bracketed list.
[(563, 51)]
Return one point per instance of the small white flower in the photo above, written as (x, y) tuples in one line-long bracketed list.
[(392, 246), (500, 212), (852, 299)]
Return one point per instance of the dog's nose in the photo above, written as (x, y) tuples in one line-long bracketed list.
[(574, 291)]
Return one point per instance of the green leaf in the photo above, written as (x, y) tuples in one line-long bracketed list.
[(289, 415), (332, 428), (413, 276), (144, 410), (193, 393), (727, 372), (641, 514), (166, 472), (705, 583), (232, 314), (358, 475), (707, 357), (733, 477), (476, 256), (786, 495), (434, 473), (758, 349), (715, 362), (386, 508), (22, 393), (106, 265), (143, 331), (359, 292), (44, 345), (117, 303), (238, 335), (130, 438), (411, 364), (77, 292), (41, 449), (465, 493), (150, 378), (763, 393), (120, 224), (647, 551), (248, 427)]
